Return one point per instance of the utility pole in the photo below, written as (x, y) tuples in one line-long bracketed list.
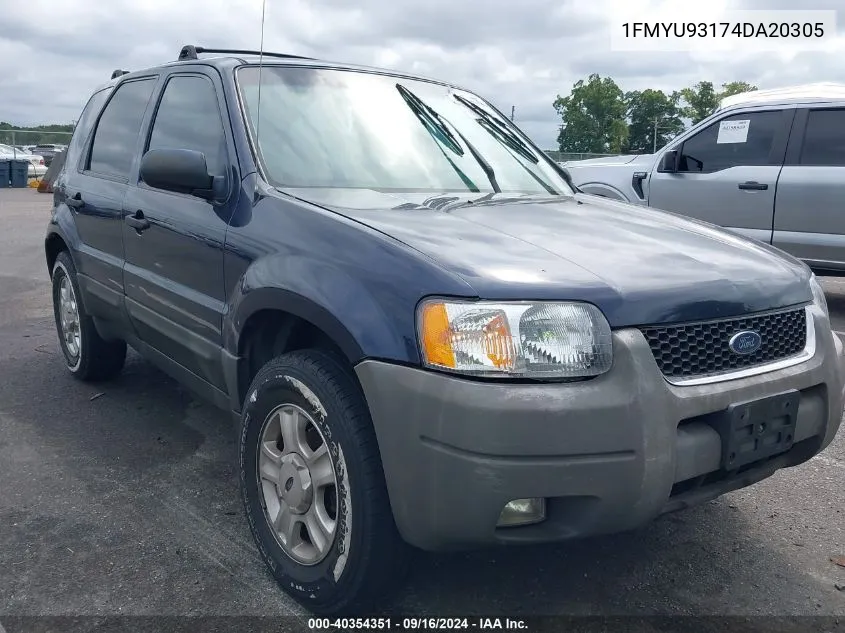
[(656, 121), (655, 136), (513, 108)]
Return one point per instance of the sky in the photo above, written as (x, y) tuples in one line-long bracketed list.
[(520, 53)]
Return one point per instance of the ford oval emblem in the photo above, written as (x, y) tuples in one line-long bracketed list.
[(745, 342)]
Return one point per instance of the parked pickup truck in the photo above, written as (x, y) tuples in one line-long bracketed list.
[(425, 335), (768, 164)]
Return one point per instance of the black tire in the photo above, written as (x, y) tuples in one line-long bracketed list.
[(96, 359), (375, 555)]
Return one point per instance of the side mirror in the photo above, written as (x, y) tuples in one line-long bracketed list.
[(669, 162), (178, 170)]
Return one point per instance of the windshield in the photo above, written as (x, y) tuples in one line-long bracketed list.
[(348, 129)]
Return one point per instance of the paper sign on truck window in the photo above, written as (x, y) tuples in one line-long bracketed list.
[(733, 131)]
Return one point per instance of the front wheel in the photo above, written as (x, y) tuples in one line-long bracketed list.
[(313, 485)]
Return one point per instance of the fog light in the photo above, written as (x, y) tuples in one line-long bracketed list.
[(523, 512)]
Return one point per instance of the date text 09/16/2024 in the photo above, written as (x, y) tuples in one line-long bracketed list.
[(416, 624)]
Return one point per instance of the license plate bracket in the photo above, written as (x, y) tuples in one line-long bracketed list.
[(757, 429)]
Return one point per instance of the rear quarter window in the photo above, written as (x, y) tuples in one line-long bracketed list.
[(84, 125)]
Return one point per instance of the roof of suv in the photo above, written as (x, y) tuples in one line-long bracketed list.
[(231, 58), (806, 93)]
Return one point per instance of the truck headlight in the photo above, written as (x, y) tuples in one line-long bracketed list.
[(818, 293), (519, 339)]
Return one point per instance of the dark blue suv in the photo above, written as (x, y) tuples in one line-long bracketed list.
[(427, 335)]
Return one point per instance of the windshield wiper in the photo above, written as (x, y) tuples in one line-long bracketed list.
[(499, 130), (431, 119), (438, 127), (509, 140)]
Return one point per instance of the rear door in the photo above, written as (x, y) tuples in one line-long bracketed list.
[(175, 292), (810, 207), (94, 183), (728, 172)]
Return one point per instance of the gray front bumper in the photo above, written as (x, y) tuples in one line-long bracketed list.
[(608, 454)]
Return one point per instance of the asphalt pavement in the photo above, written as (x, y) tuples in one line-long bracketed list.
[(122, 498)]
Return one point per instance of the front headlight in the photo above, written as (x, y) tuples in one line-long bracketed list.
[(818, 293), (531, 340)]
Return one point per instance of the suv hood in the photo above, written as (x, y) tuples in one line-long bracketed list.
[(638, 265)]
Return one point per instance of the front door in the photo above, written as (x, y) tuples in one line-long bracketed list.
[(173, 277), (728, 173)]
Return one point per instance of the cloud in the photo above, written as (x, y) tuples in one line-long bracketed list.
[(521, 54), (791, 5)]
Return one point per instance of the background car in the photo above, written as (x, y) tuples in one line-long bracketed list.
[(48, 151), (767, 164), (37, 166)]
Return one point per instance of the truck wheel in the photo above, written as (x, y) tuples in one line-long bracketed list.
[(313, 485), (88, 356)]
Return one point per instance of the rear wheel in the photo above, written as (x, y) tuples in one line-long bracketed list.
[(87, 355), (313, 485)]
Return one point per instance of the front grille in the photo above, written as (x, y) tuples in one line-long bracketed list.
[(699, 349)]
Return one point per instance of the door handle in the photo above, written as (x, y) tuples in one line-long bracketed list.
[(138, 221), (75, 202), (753, 186)]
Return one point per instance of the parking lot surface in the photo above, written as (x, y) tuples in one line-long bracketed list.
[(122, 498)]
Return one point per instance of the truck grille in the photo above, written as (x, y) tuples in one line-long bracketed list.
[(700, 349)]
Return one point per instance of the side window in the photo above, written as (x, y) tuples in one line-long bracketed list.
[(824, 138), (117, 132), (84, 124), (737, 140), (188, 117)]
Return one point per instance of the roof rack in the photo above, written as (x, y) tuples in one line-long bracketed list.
[(119, 73), (191, 52)]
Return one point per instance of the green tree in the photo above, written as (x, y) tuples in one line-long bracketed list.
[(700, 101), (34, 135), (703, 99), (593, 117), (735, 88), (648, 109)]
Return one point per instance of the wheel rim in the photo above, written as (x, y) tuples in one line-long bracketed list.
[(298, 484), (69, 317)]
